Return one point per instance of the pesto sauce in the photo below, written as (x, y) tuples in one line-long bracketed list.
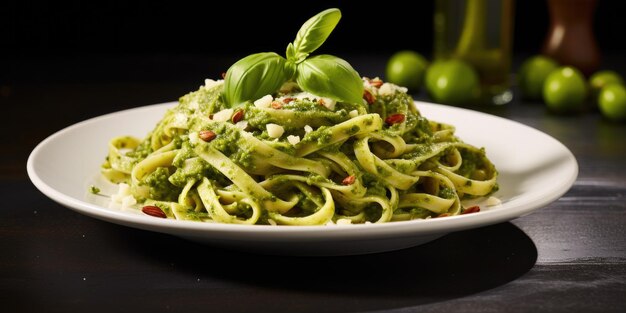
[(418, 152), (193, 169), (372, 212), (243, 158), (352, 130), (446, 193), (142, 150), (306, 205), (403, 167), (375, 187), (321, 136), (418, 212), (166, 183), (230, 142), (294, 120), (159, 185), (314, 178), (304, 105), (186, 152), (420, 130), (94, 190), (207, 100), (471, 162)]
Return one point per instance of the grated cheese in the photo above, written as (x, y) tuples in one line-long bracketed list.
[(264, 102), (293, 140), (491, 201), (274, 130), (223, 115)]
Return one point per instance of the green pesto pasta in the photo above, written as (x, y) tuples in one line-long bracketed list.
[(294, 158)]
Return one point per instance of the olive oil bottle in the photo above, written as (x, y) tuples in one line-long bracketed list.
[(479, 32)]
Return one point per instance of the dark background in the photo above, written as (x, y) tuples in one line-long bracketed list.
[(84, 40), (62, 62), (128, 27)]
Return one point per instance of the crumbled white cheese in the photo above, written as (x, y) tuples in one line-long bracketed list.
[(308, 129), (194, 139), (194, 105), (274, 130), (128, 202), (390, 89), (209, 83), (386, 89), (367, 83), (123, 196), (293, 139), (328, 103), (491, 201), (123, 190), (180, 119), (264, 102), (344, 221), (353, 113), (242, 125), (223, 115), (341, 221), (116, 198)]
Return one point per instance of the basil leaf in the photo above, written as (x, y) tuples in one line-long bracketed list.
[(314, 32), (329, 76), (254, 77), (291, 52), (290, 70)]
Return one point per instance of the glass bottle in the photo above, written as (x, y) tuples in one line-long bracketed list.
[(479, 32)]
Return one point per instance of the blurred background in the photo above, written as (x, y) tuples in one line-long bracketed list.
[(180, 43)]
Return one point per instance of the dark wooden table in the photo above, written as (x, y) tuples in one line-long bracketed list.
[(569, 256)]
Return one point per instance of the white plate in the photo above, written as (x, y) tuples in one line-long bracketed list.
[(535, 169)]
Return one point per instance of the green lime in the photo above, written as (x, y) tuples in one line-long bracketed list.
[(603, 78), (532, 74), (452, 82), (565, 90), (432, 73), (612, 101), (406, 68)]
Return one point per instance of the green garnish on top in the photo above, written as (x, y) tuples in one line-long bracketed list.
[(324, 75)]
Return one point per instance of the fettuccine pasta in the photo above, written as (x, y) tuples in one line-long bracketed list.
[(294, 158)]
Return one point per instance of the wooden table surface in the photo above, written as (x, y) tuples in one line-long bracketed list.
[(569, 256)]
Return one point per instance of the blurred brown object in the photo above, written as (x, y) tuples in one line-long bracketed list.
[(570, 39)]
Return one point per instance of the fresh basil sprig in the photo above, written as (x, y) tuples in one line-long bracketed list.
[(329, 76), (255, 76), (325, 75), (313, 33)]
